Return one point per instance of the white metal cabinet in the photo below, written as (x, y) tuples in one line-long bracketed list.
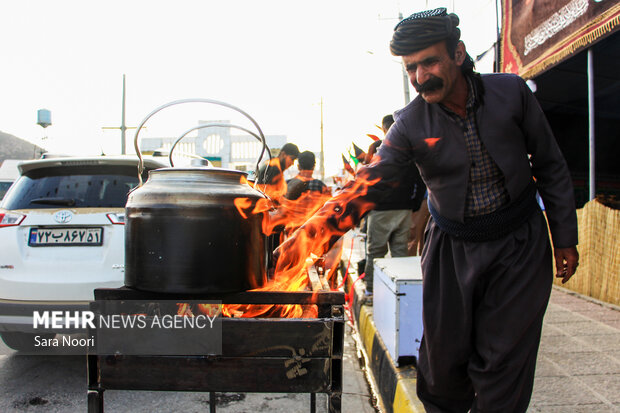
[(397, 305)]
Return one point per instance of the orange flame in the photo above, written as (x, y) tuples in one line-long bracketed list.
[(313, 225), (314, 239), (276, 188), (211, 309), (290, 215), (431, 141), (243, 204)]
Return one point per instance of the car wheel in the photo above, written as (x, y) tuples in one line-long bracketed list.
[(23, 341)]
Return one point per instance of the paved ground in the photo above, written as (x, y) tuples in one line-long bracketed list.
[(578, 368), (356, 394)]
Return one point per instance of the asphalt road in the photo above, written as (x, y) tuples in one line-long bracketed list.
[(58, 384)]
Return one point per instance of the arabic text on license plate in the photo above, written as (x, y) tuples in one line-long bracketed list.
[(65, 236)]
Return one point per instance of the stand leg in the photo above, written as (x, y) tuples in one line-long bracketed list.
[(335, 402), (95, 401), (312, 402), (95, 393), (212, 402)]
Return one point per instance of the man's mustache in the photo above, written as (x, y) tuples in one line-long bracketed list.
[(431, 84)]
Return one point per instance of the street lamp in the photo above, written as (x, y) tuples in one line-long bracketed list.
[(405, 78)]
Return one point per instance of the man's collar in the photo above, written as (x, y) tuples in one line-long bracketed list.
[(471, 94), (475, 92), (477, 87)]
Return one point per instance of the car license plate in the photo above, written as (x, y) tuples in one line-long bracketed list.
[(40, 237)]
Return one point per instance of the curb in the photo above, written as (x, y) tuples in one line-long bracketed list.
[(396, 386)]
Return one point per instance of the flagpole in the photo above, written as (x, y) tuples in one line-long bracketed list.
[(322, 164)]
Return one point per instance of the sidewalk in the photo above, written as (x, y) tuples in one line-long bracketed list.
[(578, 368)]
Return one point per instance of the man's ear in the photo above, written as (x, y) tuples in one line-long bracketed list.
[(460, 53)]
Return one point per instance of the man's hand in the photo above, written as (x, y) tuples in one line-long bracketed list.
[(566, 262)]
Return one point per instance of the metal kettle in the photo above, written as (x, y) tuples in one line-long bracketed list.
[(184, 232)]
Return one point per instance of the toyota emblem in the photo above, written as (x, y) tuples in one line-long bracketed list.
[(64, 216)]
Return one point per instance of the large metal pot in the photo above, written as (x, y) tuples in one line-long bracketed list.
[(184, 233)]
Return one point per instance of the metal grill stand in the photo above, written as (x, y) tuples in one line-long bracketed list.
[(259, 355)]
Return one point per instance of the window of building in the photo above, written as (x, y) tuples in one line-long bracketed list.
[(213, 144)]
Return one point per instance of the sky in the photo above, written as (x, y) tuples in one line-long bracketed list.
[(276, 60)]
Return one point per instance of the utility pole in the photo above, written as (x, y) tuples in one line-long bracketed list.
[(123, 128), (404, 71), (405, 76), (498, 39), (322, 163)]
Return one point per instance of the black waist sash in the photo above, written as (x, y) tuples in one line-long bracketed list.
[(494, 225)]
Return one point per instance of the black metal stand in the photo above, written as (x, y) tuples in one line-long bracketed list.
[(259, 355)]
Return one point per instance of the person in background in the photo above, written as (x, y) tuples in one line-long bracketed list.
[(270, 180), (419, 220), (304, 181), (270, 173), (304, 196), (372, 148), (389, 223), (487, 261)]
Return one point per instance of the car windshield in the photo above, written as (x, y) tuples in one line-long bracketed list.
[(73, 186)]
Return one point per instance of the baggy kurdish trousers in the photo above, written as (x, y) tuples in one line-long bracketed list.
[(484, 304)]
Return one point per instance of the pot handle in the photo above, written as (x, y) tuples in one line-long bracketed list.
[(215, 124), (191, 100)]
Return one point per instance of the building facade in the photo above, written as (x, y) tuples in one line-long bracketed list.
[(221, 145)]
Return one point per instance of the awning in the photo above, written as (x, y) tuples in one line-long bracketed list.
[(538, 34)]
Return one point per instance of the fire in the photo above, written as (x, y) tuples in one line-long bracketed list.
[(243, 204), (314, 225), (212, 310), (276, 188), (290, 215), (311, 227)]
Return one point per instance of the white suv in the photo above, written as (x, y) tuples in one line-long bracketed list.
[(61, 236)]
